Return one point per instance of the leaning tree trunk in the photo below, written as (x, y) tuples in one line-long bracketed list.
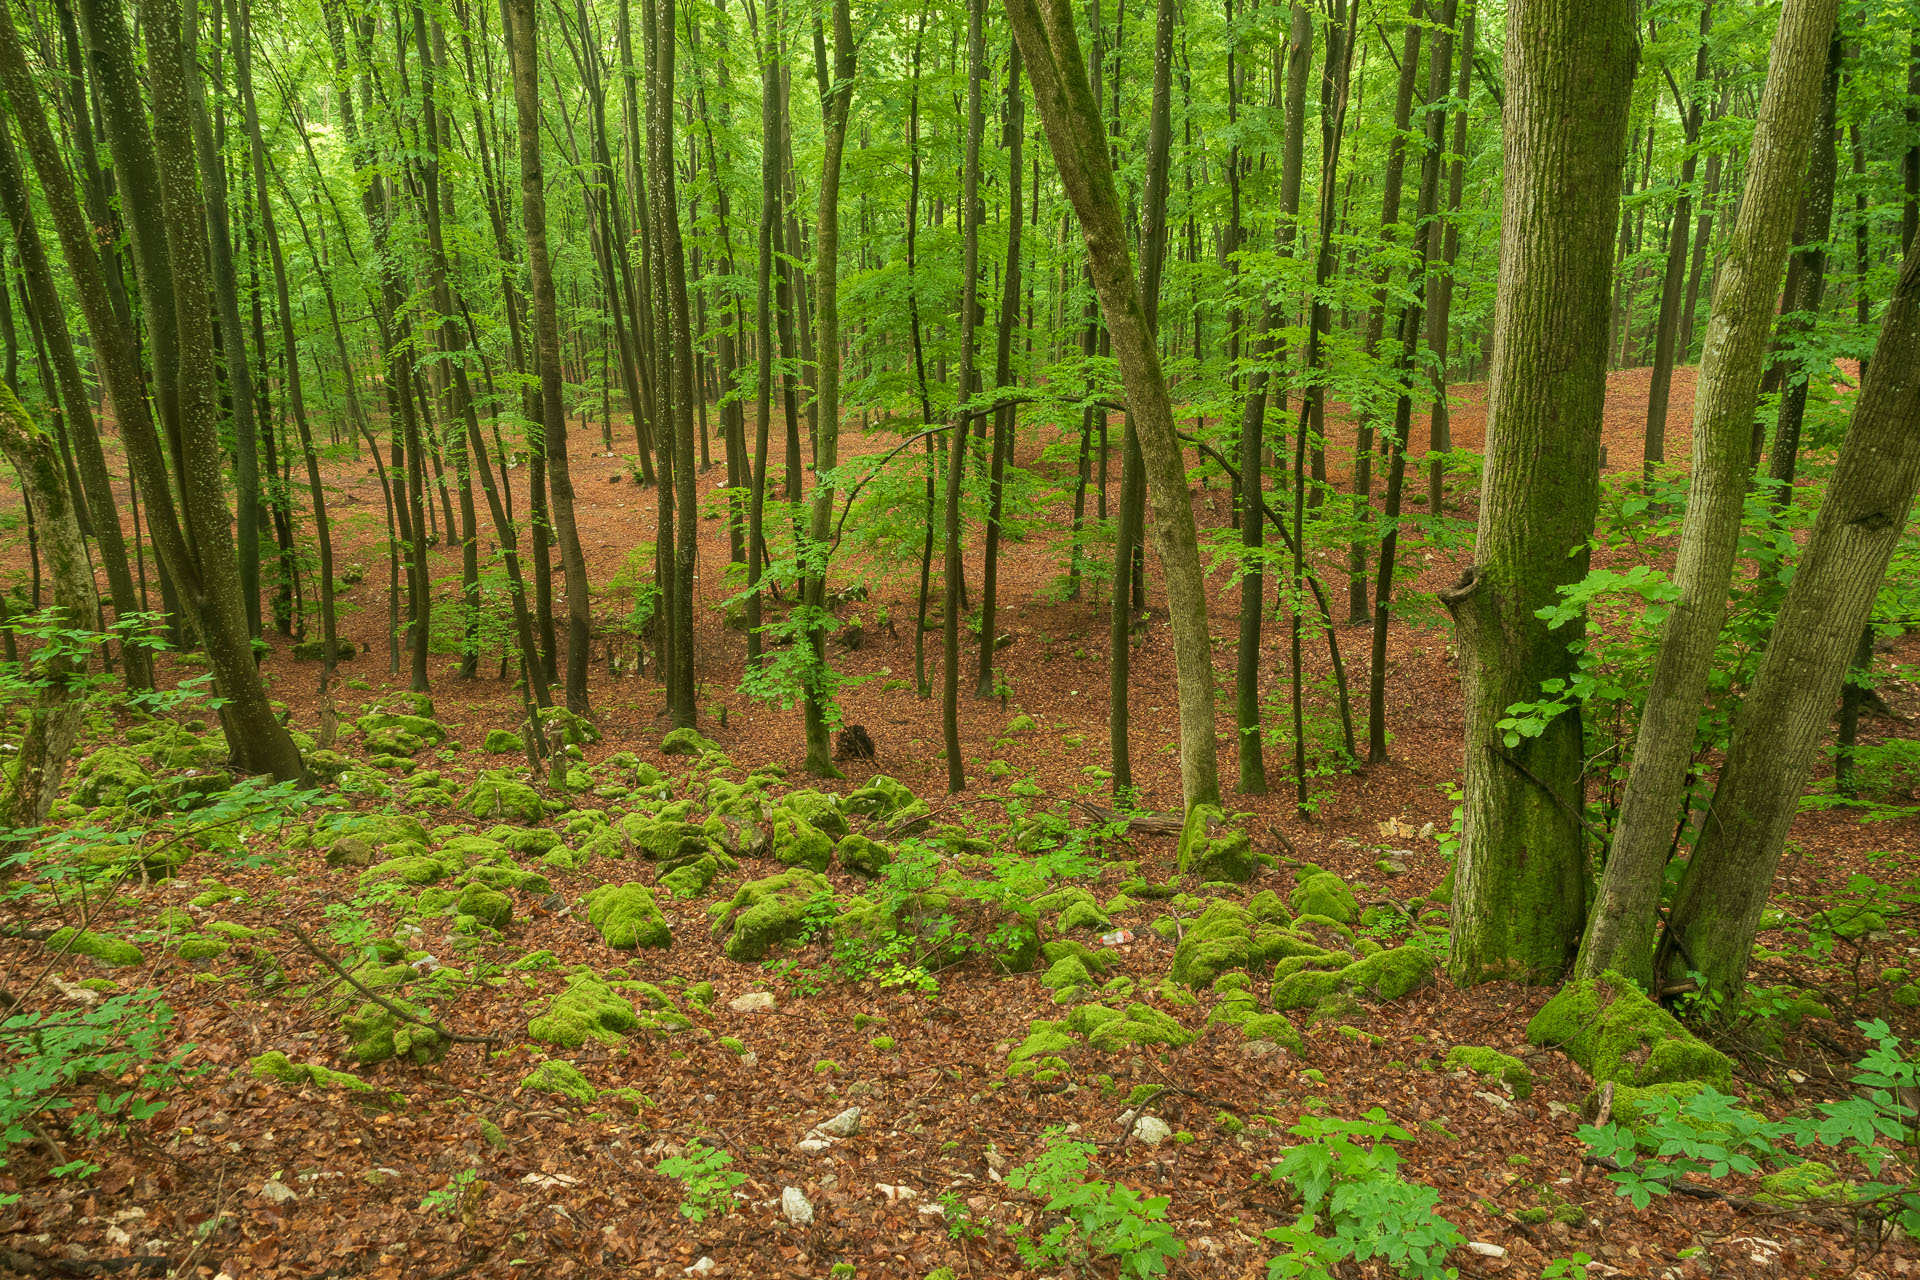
[(28, 787), (1869, 500), (1044, 29), (1520, 891), (1620, 934)]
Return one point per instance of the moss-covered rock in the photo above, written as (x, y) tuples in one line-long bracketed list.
[(109, 776), (1228, 936), (528, 842), (502, 742), (821, 809), (580, 731), (858, 854), (1386, 975), (663, 839), (1042, 1050), (1808, 1182), (587, 1009), (1214, 854), (415, 869), (690, 879), (1141, 1025), (798, 843), (686, 742), (488, 906), (492, 797), (1612, 1029), (509, 876), (1274, 1027), (765, 913), (1504, 1067), (427, 730), (627, 916), (103, 947), (1325, 894), (562, 1078), (375, 1034), (277, 1067), (197, 949)]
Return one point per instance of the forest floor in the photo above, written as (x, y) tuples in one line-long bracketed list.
[(457, 1168)]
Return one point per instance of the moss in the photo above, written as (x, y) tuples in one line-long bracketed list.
[(215, 895), (627, 916), (510, 877), (858, 854), (1066, 975), (502, 798), (1325, 894), (275, 1066), (203, 949), (1393, 973), (562, 1078), (535, 962), (691, 879), (490, 1133), (798, 843), (1142, 1025), (881, 797), (110, 776), (686, 742), (1307, 988), (821, 809), (232, 932), (1014, 943), (1042, 1049), (663, 839), (1631, 1106), (1807, 1181), (1226, 936), (587, 1009), (502, 742), (1506, 1068), (374, 1034), (489, 906), (1614, 1031), (1227, 857), (99, 946), (424, 728), (417, 869), (765, 913), (1275, 1027)]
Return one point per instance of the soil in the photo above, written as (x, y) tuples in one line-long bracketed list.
[(239, 1177)]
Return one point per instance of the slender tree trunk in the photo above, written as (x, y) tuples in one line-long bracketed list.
[(1004, 418), (1674, 280), (1520, 892), (1050, 48), (1439, 317), (1620, 934)]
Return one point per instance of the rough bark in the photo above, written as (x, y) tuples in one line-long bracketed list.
[(1620, 934), (1520, 887)]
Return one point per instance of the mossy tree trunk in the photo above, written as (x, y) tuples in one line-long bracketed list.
[(1620, 934), (1521, 887), (1051, 50), (1787, 711), (28, 788)]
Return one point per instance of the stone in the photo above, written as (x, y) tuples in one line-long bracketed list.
[(588, 1009), (752, 1002), (686, 742), (765, 913), (502, 798), (1228, 856), (794, 1203), (1152, 1130), (844, 1125), (502, 742), (1325, 894), (808, 1146), (627, 916), (562, 1078)]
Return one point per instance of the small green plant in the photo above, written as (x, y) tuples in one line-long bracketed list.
[(446, 1200), (706, 1183), (1099, 1218), (961, 1226), (1356, 1206)]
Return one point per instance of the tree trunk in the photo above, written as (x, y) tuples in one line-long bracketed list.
[(1673, 281), (1620, 934), (1044, 29), (1004, 418), (1869, 501), (1520, 888)]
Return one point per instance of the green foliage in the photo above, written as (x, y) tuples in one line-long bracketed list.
[(1355, 1204), (706, 1183), (1099, 1219), (447, 1200)]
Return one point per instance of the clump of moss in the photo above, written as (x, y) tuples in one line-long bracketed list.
[(798, 843), (1226, 857), (488, 906), (1612, 1029), (275, 1066), (862, 856), (1506, 1068), (1325, 894), (1140, 1025), (1809, 1181), (686, 742), (588, 1009), (627, 916), (375, 1034), (99, 946), (766, 913), (504, 799), (562, 1078)]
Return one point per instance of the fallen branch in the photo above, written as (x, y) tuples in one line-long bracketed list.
[(306, 940), (1163, 824)]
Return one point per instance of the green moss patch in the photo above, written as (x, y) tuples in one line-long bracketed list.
[(103, 947), (766, 913), (275, 1066), (562, 1078), (1616, 1033), (627, 916), (1504, 1067), (588, 1009)]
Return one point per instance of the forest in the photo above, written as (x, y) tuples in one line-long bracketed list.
[(575, 581)]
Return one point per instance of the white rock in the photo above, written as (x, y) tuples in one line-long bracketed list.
[(701, 1267), (796, 1206), (1152, 1130), (844, 1125), (278, 1192), (752, 1002), (1485, 1250), (812, 1146)]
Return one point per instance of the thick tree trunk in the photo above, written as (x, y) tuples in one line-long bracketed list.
[(1620, 934), (1520, 890), (1044, 29), (1786, 712)]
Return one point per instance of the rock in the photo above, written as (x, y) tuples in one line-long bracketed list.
[(796, 1206), (562, 1078), (277, 1192), (810, 1146), (351, 851), (686, 742), (108, 950), (1485, 1250), (1225, 857), (1325, 894), (752, 1002), (1152, 1130), (706, 1264), (588, 1009), (844, 1125), (504, 799), (501, 742), (627, 916), (765, 913)]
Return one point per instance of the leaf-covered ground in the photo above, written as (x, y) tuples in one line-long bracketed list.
[(1017, 972)]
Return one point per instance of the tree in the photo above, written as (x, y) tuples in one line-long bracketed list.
[(1620, 934), (1051, 50), (1520, 890)]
